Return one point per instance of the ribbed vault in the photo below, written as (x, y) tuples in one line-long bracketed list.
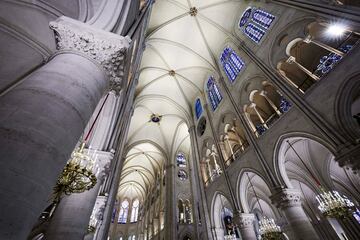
[(182, 51)]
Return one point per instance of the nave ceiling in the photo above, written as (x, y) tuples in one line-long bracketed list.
[(183, 44)]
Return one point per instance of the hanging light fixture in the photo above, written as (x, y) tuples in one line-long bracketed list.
[(268, 229), (79, 174), (331, 203)]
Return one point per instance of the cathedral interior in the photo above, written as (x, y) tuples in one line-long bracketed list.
[(180, 119)]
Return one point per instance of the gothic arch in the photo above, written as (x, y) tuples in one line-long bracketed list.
[(345, 98), (262, 191)]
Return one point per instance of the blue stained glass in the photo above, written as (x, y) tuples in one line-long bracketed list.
[(214, 94), (245, 17), (229, 72), (284, 105), (254, 32), (198, 108), (232, 63), (263, 18), (260, 129), (328, 62)]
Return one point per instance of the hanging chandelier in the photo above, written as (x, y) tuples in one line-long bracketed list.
[(230, 237), (77, 176), (331, 203), (269, 230)]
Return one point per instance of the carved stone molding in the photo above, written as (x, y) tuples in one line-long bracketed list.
[(98, 211), (107, 49), (287, 198), (245, 220), (102, 162)]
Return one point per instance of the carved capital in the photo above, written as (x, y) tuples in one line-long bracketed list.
[(287, 198), (245, 220), (102, 162), (107, 49), (98, 211)]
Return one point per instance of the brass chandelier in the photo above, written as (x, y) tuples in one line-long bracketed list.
[(268, 229), (331, 203), (79, 174)]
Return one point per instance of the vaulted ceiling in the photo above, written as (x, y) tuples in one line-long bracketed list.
[(183, 44)]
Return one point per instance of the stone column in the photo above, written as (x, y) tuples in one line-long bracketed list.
[(170, 205), (97, 215), (245, 222), (289, 201), (218, 233), (42, 119), (71, 218)]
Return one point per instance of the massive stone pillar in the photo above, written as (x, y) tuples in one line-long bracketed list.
[(42, 119), (245, 221), (71, 218), (289, 201), (170, 205)]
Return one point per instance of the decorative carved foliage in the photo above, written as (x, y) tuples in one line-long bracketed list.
[(107, 49)]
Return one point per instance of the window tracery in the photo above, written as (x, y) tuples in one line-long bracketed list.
[(124, 209), (182, 175), (214, 94), (198, 108), (255, 22), (180, 160), (232, 63), (134, 211)]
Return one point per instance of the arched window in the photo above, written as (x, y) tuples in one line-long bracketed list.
[(232, 63), (131, 237), (124, 209), (255, 22), (135, 211), (214, 94), (198, 108), (180, 160)]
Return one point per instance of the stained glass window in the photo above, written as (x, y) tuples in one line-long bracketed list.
[(198, 108), (254, 32), (182, 175), (180, 160), (134, 211), (263, 18), (214, 94), (255, 22), (231, 63), (124, 209)]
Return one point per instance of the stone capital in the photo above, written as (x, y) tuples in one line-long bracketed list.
[(102, 161), (287, 198), (105, 48), (98, 211), (245, 220)]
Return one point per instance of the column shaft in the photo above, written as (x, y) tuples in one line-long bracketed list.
[(40, 122)]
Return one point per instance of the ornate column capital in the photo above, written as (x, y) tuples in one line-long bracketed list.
[(287, 198), (245, 220), (107, 49), (102, 162), (98, 211)]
